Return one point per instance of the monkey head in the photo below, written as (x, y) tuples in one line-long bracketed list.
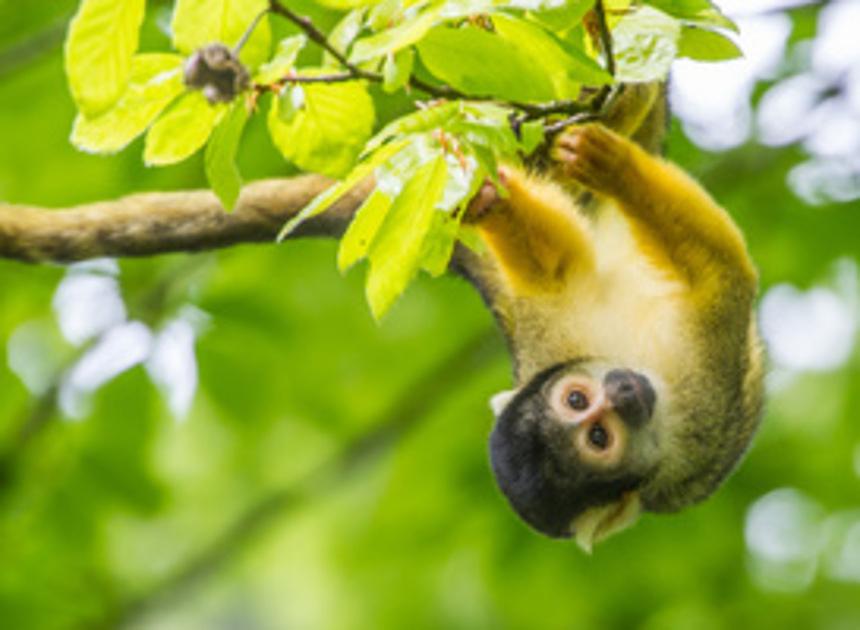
[(583, 448)]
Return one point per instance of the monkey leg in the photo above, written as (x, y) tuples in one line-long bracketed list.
[(532, 232), (639, 112), (674, 219)]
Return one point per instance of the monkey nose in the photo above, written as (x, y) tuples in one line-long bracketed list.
[(631, 395)]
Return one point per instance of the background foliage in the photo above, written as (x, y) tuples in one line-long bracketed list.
[(122, 503)]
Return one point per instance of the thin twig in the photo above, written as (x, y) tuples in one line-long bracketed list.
[(248, 32), (553, 128), (605, 37), (404, 415), (598, 102), (339, 77), (532, 111), (318, 37)]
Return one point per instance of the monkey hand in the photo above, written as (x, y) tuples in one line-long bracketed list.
[(595, 157), (481, 203)]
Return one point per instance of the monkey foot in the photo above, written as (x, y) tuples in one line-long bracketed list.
[(592, 155)]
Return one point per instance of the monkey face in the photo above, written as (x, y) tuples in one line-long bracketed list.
[(571, 448)]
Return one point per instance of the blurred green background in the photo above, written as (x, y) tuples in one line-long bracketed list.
[(228, 441)]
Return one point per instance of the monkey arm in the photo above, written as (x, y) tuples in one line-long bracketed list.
[(533, 234), (676, 222)]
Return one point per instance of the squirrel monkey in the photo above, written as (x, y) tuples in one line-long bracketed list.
[(637, 362)]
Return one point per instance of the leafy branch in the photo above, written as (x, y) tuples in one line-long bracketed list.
[(502, 80), (532, 111)]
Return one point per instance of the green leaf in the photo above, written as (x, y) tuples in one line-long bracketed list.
[(397, 69), (347, 4), (488, 112), (385, 14), (362, 229), (393, 174), (459, 9), (182, 130), (329, 196), (646, 43), (461, 185), (283, 61), (483, 64), (563, 17), (196, 23), (531, 135), (439, 243), (706, 45), (498, 138), (567, 67), (487, 161), (464, 178), (102, 40), (342, 35), (220, 158), (396, 252), (699, 11), (290, 102), (328, 133), (394, 39), (156, 79), (422, 120)]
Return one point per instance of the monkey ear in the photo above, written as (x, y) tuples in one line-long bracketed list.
[(599, 523), (501, 400)]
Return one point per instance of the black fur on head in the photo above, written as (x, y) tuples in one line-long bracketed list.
[(539, 470)]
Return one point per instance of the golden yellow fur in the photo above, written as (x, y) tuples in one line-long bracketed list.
[(652, 275)]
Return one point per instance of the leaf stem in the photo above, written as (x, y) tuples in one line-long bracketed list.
[(532, 111), (605, 36), (600, 99), (248, 32), (319, 38), (572, 110)]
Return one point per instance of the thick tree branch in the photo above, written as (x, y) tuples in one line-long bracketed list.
[(157, 223)]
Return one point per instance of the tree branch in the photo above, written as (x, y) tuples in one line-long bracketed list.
[(315, 35), (410, 408), (605, 37), (157, 223), (532, 111)]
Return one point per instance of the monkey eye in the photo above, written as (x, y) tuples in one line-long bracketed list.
[(577, 400), (598, 437)]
